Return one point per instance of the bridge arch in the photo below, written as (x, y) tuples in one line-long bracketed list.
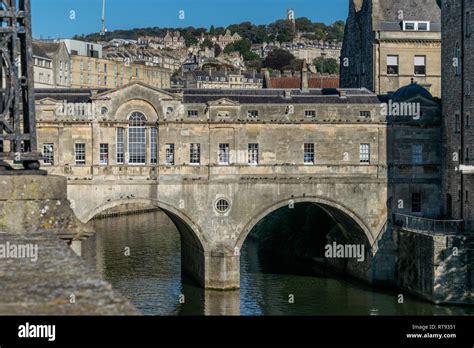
[(194, 245), (330, 206), (177, 216)]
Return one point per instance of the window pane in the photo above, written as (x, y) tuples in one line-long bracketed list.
[(224, 151), (154, 145), (364, 153), (169, 148), (309, 153), (48, 154), (420, 60), (416, 202), (417, 154), (253, 153), (104, 154), (392, 60), (137, 139), (80, 153), (195, 153), (120, 145)]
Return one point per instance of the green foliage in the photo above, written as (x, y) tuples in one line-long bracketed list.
[(280, 30), (250, 32), (207, 43), (244, 48), (278, 59), (327, 65), (217, 50)]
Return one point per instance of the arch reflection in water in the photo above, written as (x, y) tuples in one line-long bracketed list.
[(151, 278)]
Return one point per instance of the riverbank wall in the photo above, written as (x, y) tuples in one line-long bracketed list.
[(434, 267)]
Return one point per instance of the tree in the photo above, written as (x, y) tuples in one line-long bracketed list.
[(304, 24), (217, 50), (326, 65), (278, 59), (244, 47), (212, 30), (281, 30), (207, 43)]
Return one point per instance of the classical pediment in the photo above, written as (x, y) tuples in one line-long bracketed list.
[(136, 90), (47, 101), (223, 102)]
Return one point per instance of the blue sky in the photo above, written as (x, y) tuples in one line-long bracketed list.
[(51, 18)]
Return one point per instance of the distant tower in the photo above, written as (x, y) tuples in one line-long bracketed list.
[(102, 32), (291, 18)]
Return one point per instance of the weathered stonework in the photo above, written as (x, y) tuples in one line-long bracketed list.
[(360, 196), (425, 265), (57, 283), (187, 192), (374, 30), (32, 203)]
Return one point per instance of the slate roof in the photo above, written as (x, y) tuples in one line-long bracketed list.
[(277, 96), (71, 95), (388, 11), (243, 96), (421, 10), (39, 51), (295, 82), (45, 49)]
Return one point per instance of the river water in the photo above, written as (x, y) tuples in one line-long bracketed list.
[(140, 256)]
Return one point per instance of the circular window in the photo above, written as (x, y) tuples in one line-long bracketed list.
[(169, 110), (222, 205), (104, 110)]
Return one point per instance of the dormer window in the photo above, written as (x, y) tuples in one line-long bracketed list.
[(193, 113), (416, 26), (252, 113)]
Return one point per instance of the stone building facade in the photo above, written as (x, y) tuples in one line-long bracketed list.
[(184, 150), (414, 153), (458, 109), (60, 64), (184, 119), (345, 128), (222, 79), (90, 72), (42, 69), (388, 44)]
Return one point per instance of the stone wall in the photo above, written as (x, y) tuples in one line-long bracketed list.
[(433, 267), (30, 203)]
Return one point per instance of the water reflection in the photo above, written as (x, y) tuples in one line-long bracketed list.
[(151, 278)]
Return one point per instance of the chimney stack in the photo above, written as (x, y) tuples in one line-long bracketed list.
[(304, 76), (267, 82)]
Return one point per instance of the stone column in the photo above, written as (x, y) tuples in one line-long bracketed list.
[(222, 271)]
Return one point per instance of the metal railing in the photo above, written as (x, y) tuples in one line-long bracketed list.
[(418, 224)]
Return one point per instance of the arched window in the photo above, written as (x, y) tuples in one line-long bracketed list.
[(137, 138)]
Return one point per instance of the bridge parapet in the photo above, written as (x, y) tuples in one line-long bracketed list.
[(237, 172)]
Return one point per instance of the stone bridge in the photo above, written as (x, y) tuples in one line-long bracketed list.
[(215, 214), (219, 161)]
